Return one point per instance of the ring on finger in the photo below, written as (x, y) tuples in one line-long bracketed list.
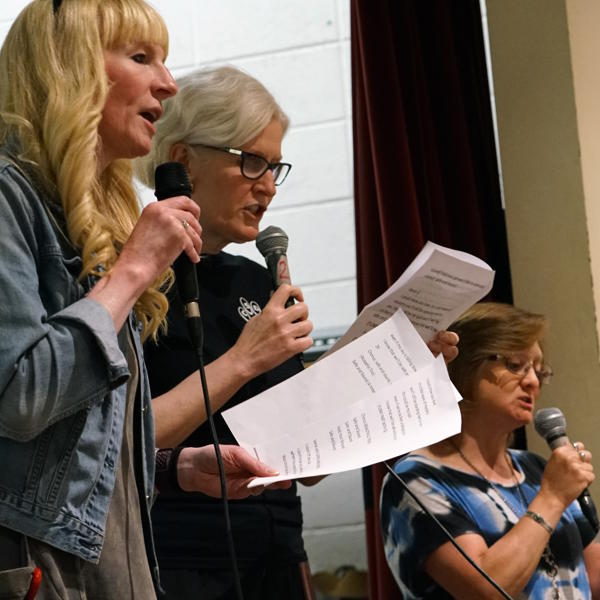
[(185, 224), (582, 455)]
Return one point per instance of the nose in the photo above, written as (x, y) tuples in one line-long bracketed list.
[(530, 379), (267, 184), (165, 86)]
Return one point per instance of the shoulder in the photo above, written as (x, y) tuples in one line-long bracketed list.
[(241, 262), (13, 178), (418, 472), (237, 273), (17, 188), (416, 461), (20, 201)]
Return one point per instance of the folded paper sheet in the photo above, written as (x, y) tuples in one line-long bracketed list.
[(436, 288), (379, 392)]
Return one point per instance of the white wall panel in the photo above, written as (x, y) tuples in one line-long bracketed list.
[(231, 28), (331, 305), (331, 547), (181, 17), (325, 498), (11, 8), (286, 76), (344, 17), (321, 165), (3, 31)]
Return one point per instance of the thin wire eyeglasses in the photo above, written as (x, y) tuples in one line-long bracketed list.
[(254, 166), (521, 367)]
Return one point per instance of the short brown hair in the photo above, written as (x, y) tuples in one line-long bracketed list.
[(490, 328)]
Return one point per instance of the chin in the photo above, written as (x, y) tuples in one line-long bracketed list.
[(524, 418), (248, 234)]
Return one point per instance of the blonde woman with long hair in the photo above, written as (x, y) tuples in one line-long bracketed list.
[(83, 278)]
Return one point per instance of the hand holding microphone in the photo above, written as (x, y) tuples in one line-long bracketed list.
[(281, 330), (272, 243), (171, 181), (274, 335), (160, 236), (569, 471)]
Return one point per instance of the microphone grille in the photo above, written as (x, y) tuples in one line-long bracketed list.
[(171, 179), (550, 422), (272, 239)]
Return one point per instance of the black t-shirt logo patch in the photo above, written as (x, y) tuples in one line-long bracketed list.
[(248, 308)]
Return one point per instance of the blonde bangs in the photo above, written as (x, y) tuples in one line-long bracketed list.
[(124, 21), (54, 66)]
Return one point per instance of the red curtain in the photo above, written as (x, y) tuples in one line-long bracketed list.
[(424, 163)]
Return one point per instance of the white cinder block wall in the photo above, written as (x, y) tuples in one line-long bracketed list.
[(300, 49)]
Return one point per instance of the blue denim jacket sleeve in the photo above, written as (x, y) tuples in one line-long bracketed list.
[(58, 349)]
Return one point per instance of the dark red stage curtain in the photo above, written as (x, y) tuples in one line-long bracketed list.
[(424, 160)]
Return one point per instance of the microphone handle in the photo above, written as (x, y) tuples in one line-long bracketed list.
[(588, 508), (278, 267), (585, 500), (171, 180)]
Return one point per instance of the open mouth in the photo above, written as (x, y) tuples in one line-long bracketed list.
[(255, 210), (148, 116)]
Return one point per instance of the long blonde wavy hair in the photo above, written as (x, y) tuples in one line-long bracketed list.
[(54, 90)]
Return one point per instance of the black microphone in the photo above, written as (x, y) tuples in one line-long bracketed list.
[(170, 179), (551, 424), (272, 243)]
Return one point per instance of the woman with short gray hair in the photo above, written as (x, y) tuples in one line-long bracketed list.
[(227, 129)]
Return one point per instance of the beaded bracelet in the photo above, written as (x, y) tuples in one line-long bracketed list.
[(540, 520)]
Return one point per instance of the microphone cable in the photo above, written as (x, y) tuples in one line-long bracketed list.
[(197, 336), (447, 533)]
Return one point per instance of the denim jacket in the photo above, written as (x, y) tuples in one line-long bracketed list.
[(62, 384)]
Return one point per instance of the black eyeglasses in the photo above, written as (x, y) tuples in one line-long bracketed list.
[(521, 367), (254, 166)]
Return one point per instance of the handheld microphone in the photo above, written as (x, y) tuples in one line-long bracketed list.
[(551, 424), (170, 179), (272, 243)]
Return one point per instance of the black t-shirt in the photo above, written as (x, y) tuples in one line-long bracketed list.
[(189, 527)]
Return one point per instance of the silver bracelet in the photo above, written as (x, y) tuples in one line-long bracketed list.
[(540, 520)]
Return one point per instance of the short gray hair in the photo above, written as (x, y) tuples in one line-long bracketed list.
[(217, 106)]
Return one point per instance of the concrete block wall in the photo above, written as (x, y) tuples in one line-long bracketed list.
[(300, 49)]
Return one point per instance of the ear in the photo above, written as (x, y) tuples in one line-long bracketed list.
[(179, 152)]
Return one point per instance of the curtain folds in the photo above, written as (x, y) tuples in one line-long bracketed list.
[(424, 162)]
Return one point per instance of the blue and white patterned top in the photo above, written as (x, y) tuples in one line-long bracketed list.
[(467, 503)]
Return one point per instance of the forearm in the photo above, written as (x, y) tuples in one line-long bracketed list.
[(513, 559), (591, 555), (58, 366), (510, 562), (180, 411), (118, 292)]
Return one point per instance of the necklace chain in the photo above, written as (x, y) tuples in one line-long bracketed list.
[(547, 560)]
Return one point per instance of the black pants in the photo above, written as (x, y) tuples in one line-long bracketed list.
[(260, 582)]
